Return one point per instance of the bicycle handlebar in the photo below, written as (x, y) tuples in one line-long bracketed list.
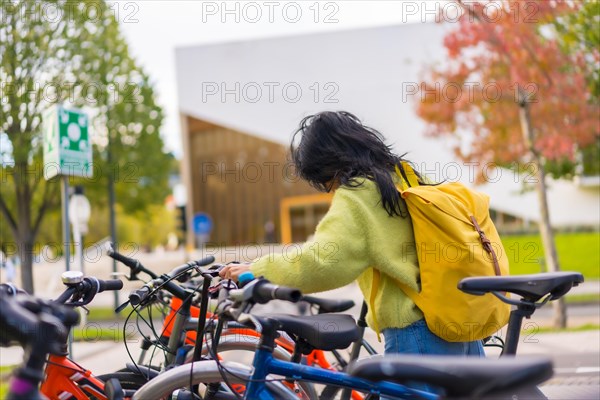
[(23, 317), (41, 327), (135, 266), (110, 284), (85, 291), (139, 295), (179, 273), (166, 281), (263, 292)]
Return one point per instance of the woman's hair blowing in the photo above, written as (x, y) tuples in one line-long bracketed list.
[(337, 147)]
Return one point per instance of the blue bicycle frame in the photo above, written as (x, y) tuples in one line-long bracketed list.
[(264, 364)]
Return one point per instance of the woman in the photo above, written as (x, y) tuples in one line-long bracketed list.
[(367, 227)]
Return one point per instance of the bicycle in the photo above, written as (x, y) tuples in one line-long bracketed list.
[(64, 377), (41, 328), (236, 306), (534, 290), (183, 316)]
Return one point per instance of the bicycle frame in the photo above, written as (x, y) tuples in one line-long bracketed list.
[(65, 378), (265, 364), (176, 321)]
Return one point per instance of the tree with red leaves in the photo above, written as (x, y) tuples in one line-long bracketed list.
[(534, 108)]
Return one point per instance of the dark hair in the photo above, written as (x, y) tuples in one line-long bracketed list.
[(336, 146)]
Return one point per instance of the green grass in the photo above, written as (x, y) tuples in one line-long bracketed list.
[(576, 252), (590, 298), (94, 333), (106, 314), (581, 328)]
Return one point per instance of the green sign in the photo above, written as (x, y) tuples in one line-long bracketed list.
[(67, 147)]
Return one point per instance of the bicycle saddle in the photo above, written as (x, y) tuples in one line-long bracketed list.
[(329, 305), (323, 331), (462, 377), (530, 287)]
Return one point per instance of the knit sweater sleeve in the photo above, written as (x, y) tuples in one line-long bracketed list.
[(335, 256)]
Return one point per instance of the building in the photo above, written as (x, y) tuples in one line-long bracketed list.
[(240, 103)]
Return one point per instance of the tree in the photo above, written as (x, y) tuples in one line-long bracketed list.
[(72, 52), (580, 31), (533, 105)]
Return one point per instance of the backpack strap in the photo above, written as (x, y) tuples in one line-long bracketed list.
[(408, 177), (374, 289), (487, 245)]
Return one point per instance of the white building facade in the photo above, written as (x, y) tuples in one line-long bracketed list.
[(265, 87)]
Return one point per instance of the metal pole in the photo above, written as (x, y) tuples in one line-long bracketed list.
[(66, 227), (82, 254), (78, 256), (113, 224), (66, 240)]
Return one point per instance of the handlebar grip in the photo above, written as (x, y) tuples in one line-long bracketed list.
[(205, 261), (69, 317), (18, 323), (264, 291), (198, 263), (178, 271), (139, 295), (130, 262), (111, 284)]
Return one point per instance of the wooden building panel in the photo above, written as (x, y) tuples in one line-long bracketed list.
[(239, 180)]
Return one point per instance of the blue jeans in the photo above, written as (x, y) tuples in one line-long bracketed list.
[(418, 339)]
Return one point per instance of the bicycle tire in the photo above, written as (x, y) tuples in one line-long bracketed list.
[(203, 372)]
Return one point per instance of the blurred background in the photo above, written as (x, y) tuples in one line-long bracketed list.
[(192, 106)]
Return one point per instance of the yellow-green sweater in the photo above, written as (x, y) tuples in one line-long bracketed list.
[(355, 236)]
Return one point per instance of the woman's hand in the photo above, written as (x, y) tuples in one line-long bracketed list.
[(233, 271)]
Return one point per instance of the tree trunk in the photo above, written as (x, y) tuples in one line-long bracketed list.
[(23, 231), (25, 243), (26, 255), (560, 312)]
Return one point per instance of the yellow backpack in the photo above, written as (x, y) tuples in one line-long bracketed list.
[(455, 238)]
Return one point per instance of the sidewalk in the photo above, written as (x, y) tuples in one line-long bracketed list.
[(587, 287)]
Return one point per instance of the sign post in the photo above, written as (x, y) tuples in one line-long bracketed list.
[(67, 152)]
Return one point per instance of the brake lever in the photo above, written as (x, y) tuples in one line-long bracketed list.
[(245, 318), (122, 307), (117, 275)]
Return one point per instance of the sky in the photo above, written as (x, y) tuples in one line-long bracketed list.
[(155, 28)]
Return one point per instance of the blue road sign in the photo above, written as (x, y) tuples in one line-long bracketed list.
[(202, 224)]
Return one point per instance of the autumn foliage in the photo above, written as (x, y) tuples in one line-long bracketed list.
[(497, 58)]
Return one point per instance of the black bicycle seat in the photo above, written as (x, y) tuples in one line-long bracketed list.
[(530, 287), (462, 377), (329, 305), (323, 331)]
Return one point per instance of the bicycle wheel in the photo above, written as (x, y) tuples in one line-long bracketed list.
[(203, 372)]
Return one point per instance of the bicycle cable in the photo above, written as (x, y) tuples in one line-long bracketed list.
[(135, 310), (224, 370)]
